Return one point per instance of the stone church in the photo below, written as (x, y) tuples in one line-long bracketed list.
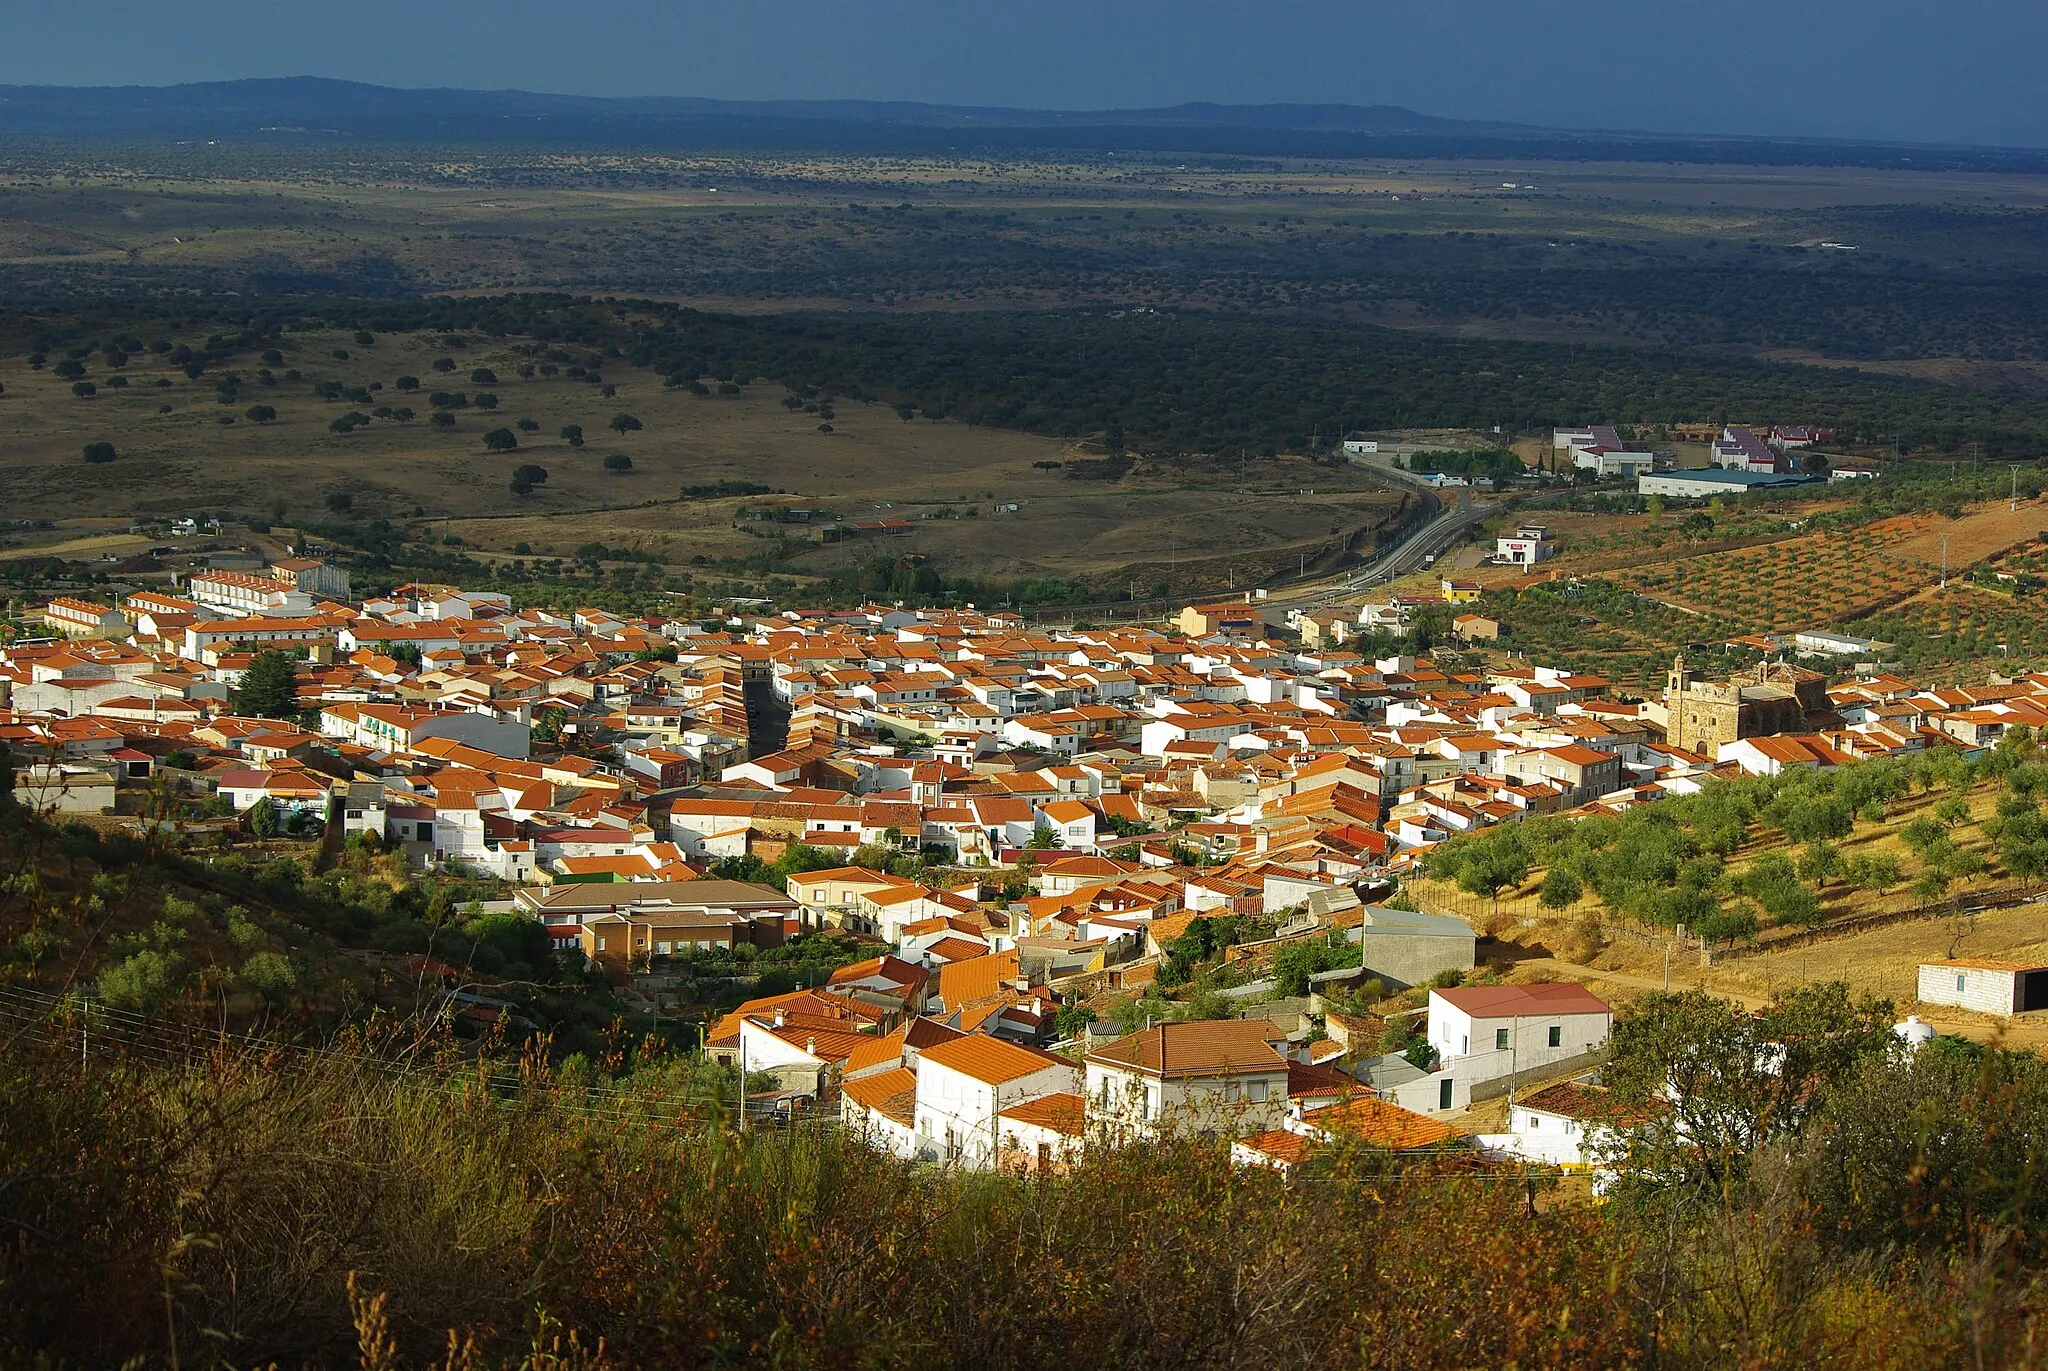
[(1766, 699)]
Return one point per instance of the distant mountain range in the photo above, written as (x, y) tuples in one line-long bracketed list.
[(318, 109)]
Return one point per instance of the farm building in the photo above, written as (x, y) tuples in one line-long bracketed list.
[(1989, 987), (1405, 948), (1708, 482)]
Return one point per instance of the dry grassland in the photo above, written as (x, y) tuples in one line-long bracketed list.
[(1200, 533)]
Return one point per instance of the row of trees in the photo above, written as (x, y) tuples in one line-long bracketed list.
[(1667, 864)]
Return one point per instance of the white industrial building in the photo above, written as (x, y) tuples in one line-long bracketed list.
[(1707, 482), (1526, 546)]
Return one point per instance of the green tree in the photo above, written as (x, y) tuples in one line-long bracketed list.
[(1561, 889), (264, 820), (271, 975), (1715, 1082), (1929, 885), (100, 453), (269, 688), (143, 981), (618, 462), (1072, 1020), (1873, 872), (1921, 834), (1294, 963), (501, 440), (572, 434), (623, 424), (260, 414), (1497, 863), (1821, 863)]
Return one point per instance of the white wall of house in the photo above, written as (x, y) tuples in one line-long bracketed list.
[(877, 1129), (1987, 990), (1524, 1042), (956, 1113), (1137, 1104)]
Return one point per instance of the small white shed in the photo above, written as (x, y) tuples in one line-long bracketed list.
[(1989, 987)]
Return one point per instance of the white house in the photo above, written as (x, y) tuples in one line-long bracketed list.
[(1571, 1124), (401, 728), (1211, 1076), (62, 788), (881, 1110), (76, 618), (1512, 1028), (963, 1087), (1044, 1134), (256, 596), (1820, 642), (1071, 821)]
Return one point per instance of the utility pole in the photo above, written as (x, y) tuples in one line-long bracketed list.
[(1944, 561)]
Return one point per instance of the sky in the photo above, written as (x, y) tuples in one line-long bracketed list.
[(1922, 70)]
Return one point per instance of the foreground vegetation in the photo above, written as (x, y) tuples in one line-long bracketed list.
[(253, 1208)]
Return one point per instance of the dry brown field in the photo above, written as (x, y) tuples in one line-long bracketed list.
[(1192, 530)]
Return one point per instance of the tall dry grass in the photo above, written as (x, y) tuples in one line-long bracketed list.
[(251, 1210)]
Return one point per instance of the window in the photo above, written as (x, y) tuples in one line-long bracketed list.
[(1443, 1095), (1556, 1036), (1256, 1092), (1500, 1039), (1962, 981), (1230, 1092), (600, 944)]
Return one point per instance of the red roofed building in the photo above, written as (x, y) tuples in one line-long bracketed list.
[(964, 1086), (1490, 1032)]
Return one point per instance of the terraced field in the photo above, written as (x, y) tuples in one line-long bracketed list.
[(1823, 579)]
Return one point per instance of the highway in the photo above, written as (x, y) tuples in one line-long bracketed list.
[(1444, 529)]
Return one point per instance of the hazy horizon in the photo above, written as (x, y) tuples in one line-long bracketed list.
[(1882, 69)]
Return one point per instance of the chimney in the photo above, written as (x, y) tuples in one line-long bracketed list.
[(780, 1018), (811, 1046)]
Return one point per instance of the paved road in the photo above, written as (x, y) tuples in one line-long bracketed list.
[(1443, 530), (1410, 554)]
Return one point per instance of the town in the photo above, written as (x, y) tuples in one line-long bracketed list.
[(978, 688), (1077, 883)]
